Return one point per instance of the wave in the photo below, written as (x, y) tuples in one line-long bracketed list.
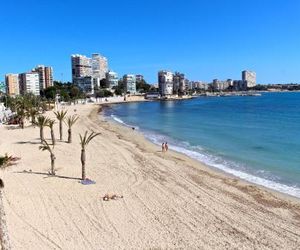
[(208, 158), (198, 153), (119, 120)]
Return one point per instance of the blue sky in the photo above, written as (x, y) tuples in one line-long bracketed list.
[(205, 39)]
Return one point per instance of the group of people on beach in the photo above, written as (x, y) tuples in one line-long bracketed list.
[(164, 147)]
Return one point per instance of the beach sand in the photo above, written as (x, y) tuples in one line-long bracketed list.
[(169, 200)]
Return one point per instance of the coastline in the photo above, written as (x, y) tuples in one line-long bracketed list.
[(170, 200), (278, 188), (201, 164)]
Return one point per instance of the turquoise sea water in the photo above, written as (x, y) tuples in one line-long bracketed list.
[(254, 138)]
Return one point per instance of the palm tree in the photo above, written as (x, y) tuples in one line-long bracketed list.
[(47, 147), (32, 113), (84, 141), (41, 122), (60, 115), (71, 120), (21, 114), (51, 124)]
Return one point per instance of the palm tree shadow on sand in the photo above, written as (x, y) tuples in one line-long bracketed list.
[(47, 175), (27, 142)]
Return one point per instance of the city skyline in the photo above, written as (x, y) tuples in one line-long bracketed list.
[(213, 40)]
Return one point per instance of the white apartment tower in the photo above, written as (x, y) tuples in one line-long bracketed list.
[(112, 79), (249, 78), (29, 83), (221, 85), (88, 72), (165, 82), (82, 73), (130, 83), (99, 66), (81, 66)]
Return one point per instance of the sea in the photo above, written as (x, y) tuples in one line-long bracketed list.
[(255, 138)]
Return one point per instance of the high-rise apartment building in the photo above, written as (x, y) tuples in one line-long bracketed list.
[(81, 66), (199, 85), (99, 66), (29, 83), (112, 79), (12, 84), (139, 78), (179, 83), (249, 77), (48, 77), (130, 83), (88, 72), (239, 85), (221, 85), (165, 82), (82, 73), (45, 76)]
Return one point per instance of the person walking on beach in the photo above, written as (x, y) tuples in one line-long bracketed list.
[(166, 146), (163, 148)]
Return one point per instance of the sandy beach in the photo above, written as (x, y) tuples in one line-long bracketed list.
[(169, 200)]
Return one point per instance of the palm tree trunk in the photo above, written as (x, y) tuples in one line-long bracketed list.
[(52, 137), (52, 156), (22, 123), (60, 130), (4, 239), (69, 135), (83, 164), (42, 133)]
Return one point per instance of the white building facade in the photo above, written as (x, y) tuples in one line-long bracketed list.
[(82, 73), (112, 79), (29, 83), (81, 66), (130, 83), (221, 85), (249, 77), (88, 72), (99, 66), (165, 82)]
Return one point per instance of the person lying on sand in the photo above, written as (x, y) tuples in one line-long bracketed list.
[(108, 197)]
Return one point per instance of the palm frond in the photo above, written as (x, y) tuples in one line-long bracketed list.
[(45, 146), (92, 136), (71, 120), (51, 123), (60, 115), (85, 140), (42, 121)]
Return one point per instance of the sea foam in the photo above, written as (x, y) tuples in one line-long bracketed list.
[(198, 153), (119, 120), (222, 164)]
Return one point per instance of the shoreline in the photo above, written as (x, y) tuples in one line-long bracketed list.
[(169, 200), (209, 167)]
